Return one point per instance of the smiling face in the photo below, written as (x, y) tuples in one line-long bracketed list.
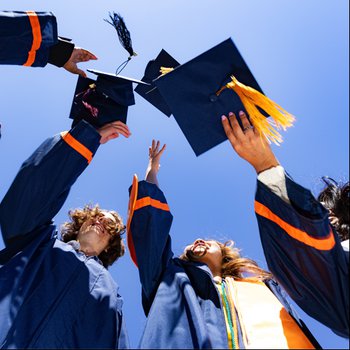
[(95, 234), (207, 252)]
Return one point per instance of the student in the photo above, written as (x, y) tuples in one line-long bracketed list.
[(53, 293), (210, 297), (30, 38), (300, 236)]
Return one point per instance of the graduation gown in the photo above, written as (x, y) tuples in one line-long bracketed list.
[(52, 296), (26, 37), (180, 300), (304, 254)]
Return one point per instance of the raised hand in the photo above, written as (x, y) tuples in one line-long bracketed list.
[(78, 55), (247, 142), (154, 155), (113, 130)]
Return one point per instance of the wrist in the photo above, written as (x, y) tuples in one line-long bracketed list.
[(152, 171), (153, 167), (60, 53), (151, 176), (265, 165)]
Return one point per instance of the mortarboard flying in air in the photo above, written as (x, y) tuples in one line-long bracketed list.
[(107, 98), (212, 84), (152, 71)]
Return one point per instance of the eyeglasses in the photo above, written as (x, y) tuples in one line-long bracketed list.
[(109, 225)]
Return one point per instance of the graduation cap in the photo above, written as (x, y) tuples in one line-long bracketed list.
[(214, 83), (103, 100), (107, 98), (152, 71)]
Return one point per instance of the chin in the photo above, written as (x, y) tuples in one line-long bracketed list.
[(195, 256)]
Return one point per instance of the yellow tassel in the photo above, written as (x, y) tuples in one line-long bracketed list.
[(252, 99), (165, 70)]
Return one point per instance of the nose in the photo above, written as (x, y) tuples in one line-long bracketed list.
[(96, 222), (199, 240)]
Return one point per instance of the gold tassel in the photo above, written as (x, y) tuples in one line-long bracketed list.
[(252, 99), (165, 70)]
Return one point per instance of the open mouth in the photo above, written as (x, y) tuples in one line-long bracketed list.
[(198, 250), (98, 228)]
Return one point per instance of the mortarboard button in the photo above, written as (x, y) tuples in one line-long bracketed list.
[(213, 98), (103, 100)]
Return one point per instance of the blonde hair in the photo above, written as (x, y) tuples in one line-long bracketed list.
[(233, 265), (115, 249)]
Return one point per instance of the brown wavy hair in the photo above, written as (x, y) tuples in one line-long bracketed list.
[(233, 265), (115, 249)]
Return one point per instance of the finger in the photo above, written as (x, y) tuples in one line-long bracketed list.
[(80, 54), (118, 122), (121, 126), (105, 139), (125, 134), (246, 126), (236, 128), (85, 57), (89, 55), (153, 144), (80, 72), (162, 150), (226, 125), (157, 147), (112, 136)]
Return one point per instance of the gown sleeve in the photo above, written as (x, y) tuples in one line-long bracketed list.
[(30, 38), (304, 253), (43, 182), (148, 229)]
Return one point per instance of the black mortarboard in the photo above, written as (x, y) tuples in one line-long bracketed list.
[(217, 82), (103, 100), (152, 71)]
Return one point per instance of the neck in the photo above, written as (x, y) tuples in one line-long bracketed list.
[(87, 250), (215, 270)]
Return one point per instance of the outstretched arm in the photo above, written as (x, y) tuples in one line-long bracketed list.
[(44, 180), (29, 38), (301, 249), (149, 222)]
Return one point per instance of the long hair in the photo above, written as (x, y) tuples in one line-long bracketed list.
[(335, 197), (233, 265), (115, 249)]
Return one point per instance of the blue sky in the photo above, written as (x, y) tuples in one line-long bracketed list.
[(299, 54)]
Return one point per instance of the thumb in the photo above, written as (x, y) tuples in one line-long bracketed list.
[(80, 72)]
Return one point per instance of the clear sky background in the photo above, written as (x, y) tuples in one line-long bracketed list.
[(299, 54)]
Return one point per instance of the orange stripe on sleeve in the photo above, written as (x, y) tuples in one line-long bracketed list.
[(36, 30), (143, 202), (324, 243), (131, 208), (75, 144)]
